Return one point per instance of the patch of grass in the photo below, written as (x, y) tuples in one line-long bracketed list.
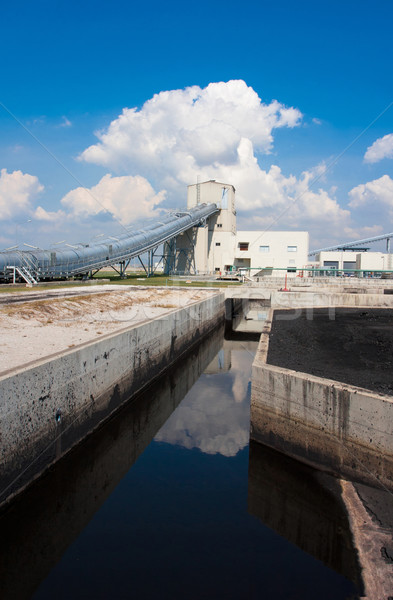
[(155, 280), (134, 278), (161, 280)]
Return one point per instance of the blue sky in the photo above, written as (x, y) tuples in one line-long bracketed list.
[(70, 69)]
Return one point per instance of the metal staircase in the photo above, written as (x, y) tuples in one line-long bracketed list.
[(27, 276), (27, 269), (84, 259)]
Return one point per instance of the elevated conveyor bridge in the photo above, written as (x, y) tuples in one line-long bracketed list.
[(357, 245), (85, 259)]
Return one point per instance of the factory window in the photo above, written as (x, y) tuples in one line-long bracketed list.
[(218, 243), (243, 246), (349, 265), (292, 248), (219, 224), (264, 248), (224, 198)]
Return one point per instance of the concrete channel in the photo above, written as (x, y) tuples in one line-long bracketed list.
[(50, 405), (51, 513), (341, 430), (326, 423)]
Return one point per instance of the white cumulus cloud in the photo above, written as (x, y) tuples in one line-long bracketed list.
[(363, 232), (281, 201), (216, 133), (41, 214), (17, 190), (380, 149), (127, 198), (181, 130), (378, 191)]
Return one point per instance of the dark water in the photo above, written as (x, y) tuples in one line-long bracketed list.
[(169, 501)]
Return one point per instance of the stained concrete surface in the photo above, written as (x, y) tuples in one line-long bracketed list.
[(379, 505), (37, 528), (50, 405), (355, 347), (303, 505)]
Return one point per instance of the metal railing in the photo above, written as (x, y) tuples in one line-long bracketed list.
[(85, 258)]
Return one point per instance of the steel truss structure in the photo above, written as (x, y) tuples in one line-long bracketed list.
[(87, 259), (358, 244)]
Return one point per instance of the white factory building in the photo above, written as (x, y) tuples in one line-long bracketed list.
[(353, 262), (220, 248)]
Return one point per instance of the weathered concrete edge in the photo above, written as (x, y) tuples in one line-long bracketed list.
[(313, 299), (338, 427), (71, 350), (63, 399), (369, 538), (53, 514)]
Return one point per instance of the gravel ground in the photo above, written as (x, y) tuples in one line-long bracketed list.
[(37, 328), (356, 347)]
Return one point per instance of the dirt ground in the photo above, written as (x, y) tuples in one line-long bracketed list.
[(356, 347), (42, 324)]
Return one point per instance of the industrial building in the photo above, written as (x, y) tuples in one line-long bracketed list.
[(201, 240), (218, 247), (359, 263)]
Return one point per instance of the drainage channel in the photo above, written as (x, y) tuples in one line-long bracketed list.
[(168, 500)]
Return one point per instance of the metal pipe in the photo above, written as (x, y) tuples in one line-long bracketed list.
[(81, 259)]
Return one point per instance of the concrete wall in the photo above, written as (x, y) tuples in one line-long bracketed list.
[(214, 249), (222, 194), (304, 506), (323, 258), (218, 249), (323, 283), (51, 514), (50, 405), (295, 300), (310, 299), (277, 249), (374, 261), (217, 245), (342, 428)]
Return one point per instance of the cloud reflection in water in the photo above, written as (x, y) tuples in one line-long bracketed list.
[(214, 415)]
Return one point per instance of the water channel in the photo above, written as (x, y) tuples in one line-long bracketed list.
[(169, 500)]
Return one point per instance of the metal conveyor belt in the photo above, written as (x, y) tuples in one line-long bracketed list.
[(52, 264)]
